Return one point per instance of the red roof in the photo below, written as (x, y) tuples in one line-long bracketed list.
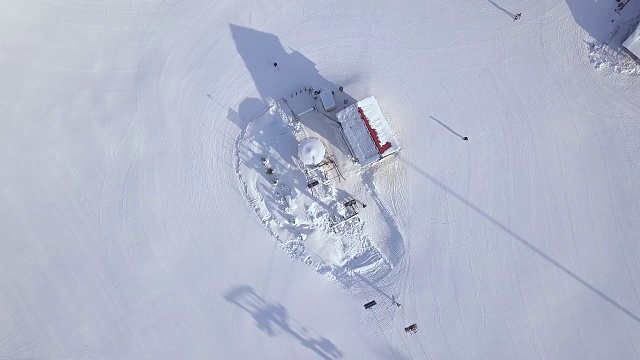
[(374, 134)]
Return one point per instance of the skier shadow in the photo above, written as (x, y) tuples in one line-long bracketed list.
[(294, 72), (447, 127), (512, 15), (272, 318), (524, 242)]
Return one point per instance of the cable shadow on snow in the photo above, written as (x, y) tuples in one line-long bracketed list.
[(523, 241), (272, 318)]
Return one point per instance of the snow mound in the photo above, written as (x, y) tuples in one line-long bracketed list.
[(302, 208), (602, 57)]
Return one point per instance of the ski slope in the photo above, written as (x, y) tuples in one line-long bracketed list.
[(127, 235)]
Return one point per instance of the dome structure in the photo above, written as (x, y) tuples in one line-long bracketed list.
[(311, 151)]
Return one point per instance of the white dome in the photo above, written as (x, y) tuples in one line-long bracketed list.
[(311, 151)]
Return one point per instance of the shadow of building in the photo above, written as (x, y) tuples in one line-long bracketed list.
[(600, 18), (295, 72)]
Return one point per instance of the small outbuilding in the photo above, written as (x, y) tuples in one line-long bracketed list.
[(311, 151), (367, 131), (632, 45), (328, 101)]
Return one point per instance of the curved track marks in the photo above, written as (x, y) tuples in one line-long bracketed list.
[(520, 243)]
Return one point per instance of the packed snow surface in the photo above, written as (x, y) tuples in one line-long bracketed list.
[(138, 219)]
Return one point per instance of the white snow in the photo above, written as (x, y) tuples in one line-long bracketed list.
[(138, 220), (311, 151), (303, 207)]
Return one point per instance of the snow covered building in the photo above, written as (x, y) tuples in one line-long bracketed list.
[(632, 45), (367, 132)]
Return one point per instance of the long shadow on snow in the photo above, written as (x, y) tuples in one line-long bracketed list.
[(447, 127), (273, 317), (595, 17), (259, 51), (523, 241), (503, 9)]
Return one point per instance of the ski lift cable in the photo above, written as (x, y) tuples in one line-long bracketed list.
[(406, 318), (420, 342), (413, 302), (362, 291), (401, 338), (421, 347), (381, 330), (383, 335)]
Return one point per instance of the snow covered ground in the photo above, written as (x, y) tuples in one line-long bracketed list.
[(317, 214), (126, 233)]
